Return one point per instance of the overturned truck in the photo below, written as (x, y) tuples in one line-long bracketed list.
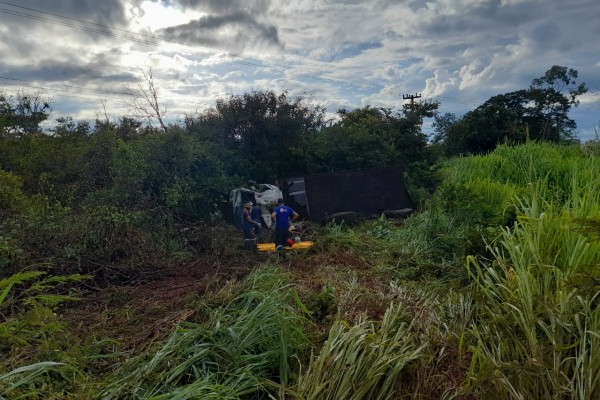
[(264, 195), (348, 196)]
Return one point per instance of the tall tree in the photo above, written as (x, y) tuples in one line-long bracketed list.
[(373, 137), (539, 113), (261, 128), (553, 95)]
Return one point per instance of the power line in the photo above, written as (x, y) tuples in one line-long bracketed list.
[(57, 90), (78, 27), (119, 95), (242, 60), (455, 100), (412, 98), (247, 61), (155, 42)]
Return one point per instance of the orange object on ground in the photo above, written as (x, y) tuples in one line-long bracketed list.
[(266, 247)]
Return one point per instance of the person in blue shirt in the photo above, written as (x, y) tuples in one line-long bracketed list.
[(248, 227), (282, 217)]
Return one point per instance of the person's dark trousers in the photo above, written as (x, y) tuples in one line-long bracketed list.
[(249, 239), (281, 237), (258, 229)]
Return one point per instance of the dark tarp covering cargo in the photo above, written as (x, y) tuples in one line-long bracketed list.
[(365, 193)]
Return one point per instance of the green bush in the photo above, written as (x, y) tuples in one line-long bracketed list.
[(12, 199)]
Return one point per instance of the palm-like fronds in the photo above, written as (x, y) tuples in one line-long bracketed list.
[(363, 361), (537, 335)]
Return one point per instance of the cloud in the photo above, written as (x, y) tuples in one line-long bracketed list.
[(52, 71), (442, 82), (235, 32), (110, 13), (223, 6), (350, 50)]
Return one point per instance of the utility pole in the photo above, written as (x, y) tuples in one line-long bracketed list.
[(412, 98), (411, 107)]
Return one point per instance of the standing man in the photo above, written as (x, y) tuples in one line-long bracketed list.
[(248, 227), (256, 214), (282, 217)]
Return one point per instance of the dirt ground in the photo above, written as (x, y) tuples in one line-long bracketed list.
[(139, 314), (136, 315)]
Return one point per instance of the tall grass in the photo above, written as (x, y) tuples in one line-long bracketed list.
[(527, 164), (363, 361), (433, 236), (245, 348), (24, 377), (537, 335)]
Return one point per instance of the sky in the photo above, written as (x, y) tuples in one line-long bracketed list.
[(88, 55)]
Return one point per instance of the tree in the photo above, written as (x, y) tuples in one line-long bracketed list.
[(442, 125), (374, 137), (553, 95), (362, 138), (501, 118), (537, 113), (22, 114), (260, 128), (144, 103), (67, 127)]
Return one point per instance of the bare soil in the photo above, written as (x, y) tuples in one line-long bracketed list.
[(137, 315)]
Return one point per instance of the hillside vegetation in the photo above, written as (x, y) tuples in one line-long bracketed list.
[(489, 291), (120, 278)]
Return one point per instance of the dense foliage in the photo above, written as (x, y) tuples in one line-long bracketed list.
[(539, 112), (114, 199)]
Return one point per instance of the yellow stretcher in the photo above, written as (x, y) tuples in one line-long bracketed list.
[(266, 247)]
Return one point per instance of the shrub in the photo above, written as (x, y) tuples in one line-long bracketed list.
[(12, 199)]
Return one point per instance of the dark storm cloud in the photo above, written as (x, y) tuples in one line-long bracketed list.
[(242, 31), (33, 25), (241, 18), (53, 71), (546, 34), (107, 12), (487, 17)]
